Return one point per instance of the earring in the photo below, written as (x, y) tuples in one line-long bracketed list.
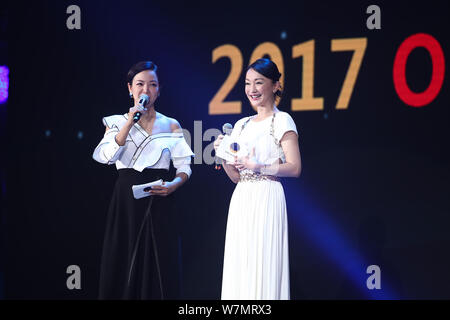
[(131, 95)]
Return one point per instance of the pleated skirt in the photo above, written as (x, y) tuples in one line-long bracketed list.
[(139, 249), (256, 258)]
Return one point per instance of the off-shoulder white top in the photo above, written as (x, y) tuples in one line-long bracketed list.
[(142, 150)]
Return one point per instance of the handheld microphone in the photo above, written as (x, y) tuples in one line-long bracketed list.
[(227, 129), (143, 101)]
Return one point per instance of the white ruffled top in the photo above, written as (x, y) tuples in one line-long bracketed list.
[(142, 150)]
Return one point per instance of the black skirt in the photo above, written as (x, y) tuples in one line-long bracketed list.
[(139, 259)]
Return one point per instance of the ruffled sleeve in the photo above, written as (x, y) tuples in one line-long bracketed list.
[(115, 121), (181, 155), (283, 123), (108, 151)]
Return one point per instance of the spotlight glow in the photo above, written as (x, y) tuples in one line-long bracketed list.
[(325, 233)]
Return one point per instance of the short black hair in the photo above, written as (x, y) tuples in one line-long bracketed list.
[(268, 69), (139, 67)]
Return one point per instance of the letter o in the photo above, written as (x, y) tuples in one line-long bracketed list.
[(437, 78)]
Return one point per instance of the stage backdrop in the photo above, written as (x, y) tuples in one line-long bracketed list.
[(366, 85)]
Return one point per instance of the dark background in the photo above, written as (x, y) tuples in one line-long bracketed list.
[(375, 182)]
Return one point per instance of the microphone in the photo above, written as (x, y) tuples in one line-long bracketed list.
[(143, 101), (227, 129)]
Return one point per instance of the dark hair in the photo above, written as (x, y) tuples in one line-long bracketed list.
[(268, 69), (139, 67)]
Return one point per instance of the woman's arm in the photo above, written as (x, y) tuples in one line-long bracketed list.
[(231, 172), (121, 137), (170, 186), (293, 165), (108, 150)]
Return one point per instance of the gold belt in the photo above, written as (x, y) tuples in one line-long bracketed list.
[(253, 176)]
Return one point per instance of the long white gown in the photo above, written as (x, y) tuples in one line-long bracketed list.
[(256, 259)]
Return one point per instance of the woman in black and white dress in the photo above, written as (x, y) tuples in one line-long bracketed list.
[(256, 259), (132, 265)]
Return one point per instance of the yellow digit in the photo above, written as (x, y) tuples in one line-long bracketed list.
[(307, 101), (358, 46), (272, 50), (217, 105)]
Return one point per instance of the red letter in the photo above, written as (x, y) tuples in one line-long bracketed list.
[(437, 77)]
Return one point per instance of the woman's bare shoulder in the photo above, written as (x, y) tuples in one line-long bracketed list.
[(171, 122)]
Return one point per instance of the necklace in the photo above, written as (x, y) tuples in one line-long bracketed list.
[(272, 127)]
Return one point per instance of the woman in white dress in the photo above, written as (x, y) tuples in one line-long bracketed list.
[(256, 259)]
